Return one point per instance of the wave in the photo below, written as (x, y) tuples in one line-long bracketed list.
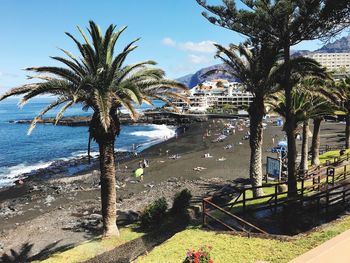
[(8, 175), (159, 132), (156, 134)]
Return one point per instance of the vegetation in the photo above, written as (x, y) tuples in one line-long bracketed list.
[(154, 213), (98, 80), (284, 24), (181, 202), (308, 102), (230, 248)]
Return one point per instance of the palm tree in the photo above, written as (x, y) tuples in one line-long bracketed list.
[(254, 65), (306, 105), (259, 67), (324, 88), (323, 103), (99, 81)]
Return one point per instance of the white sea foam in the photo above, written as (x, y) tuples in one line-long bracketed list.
[(159, 132), (10, 174)]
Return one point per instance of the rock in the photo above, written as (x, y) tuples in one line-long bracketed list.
[(96, 216), (127, 217), (86, 213), (48, 200), (282, 188), (197, 209), (12, 208)]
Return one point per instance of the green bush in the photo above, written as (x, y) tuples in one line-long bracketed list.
[(181, 202), (153, 213)]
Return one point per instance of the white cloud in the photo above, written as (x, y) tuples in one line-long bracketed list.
[(169, 42), (200, 47), (195, 59), (206, 46)]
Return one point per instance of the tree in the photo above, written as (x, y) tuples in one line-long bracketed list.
[(285, 23), (306, 105), (254, 65), (324, 105), (326, 89), (99, 80), (259, 66)]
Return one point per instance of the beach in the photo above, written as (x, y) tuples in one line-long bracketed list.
[(65, 210)]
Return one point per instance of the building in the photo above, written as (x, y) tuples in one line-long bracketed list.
[(335, 62), (216, 94)]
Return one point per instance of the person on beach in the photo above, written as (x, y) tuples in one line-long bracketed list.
[(139, 174)]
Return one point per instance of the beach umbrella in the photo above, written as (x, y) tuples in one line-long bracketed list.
[(138, 172)]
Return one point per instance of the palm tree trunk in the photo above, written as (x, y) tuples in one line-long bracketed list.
[(304, 148), (108, 192), (315, 147), (347, 131), (256, 113), (290, 124)]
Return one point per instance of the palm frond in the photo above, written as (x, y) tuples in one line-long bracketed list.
[(44, 111), (103, 103)]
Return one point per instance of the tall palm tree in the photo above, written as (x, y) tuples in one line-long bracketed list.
[(254, 65), (259, 67), (99, 80)]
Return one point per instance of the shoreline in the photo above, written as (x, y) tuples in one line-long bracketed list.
[(67, 209), (75, 165)]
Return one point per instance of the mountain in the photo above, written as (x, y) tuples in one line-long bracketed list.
[(341, 45), (193, 80)]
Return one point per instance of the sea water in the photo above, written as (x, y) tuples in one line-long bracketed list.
[(20, 153)]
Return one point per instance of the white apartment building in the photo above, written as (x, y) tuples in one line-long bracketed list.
[(336, 62), (216, 93)]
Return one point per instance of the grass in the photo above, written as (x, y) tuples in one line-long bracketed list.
[(231, 249), (92, 248), (268, 190), (330, 155)]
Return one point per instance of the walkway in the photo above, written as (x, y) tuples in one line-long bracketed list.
[(334, 250)]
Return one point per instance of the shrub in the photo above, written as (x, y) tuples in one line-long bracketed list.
[(181, 201), (200, 256), (153, 213)]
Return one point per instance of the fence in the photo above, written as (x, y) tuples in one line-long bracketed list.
[(314, 187)]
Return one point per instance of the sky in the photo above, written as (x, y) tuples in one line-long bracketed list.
[(173, 33)]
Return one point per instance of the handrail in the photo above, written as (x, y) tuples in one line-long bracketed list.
[(232, 215)]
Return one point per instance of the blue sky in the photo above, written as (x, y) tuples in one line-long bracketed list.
[(173, 33)]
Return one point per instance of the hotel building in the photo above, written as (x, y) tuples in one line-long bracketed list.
[(216, 93)]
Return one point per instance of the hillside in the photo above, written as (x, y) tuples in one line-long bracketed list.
[(339, 46), (192, 80)]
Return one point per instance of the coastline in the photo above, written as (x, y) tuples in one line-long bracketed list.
[(66, 210), (78, 163)]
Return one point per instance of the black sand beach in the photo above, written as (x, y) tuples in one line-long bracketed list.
[(66, 210)]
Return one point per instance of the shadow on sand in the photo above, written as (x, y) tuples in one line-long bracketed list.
[(24, 255)]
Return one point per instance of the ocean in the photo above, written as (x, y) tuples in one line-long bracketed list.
[(20, 153)]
